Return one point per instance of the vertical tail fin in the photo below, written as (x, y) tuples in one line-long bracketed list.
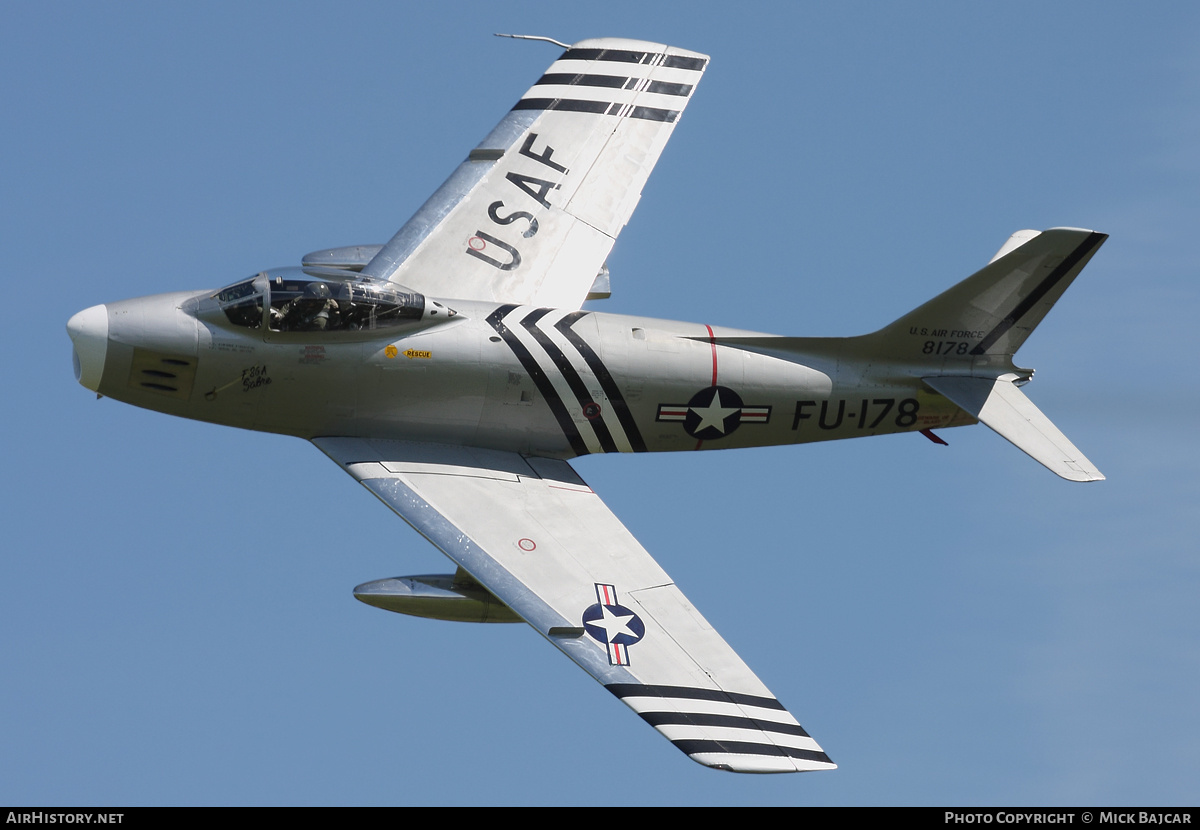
[(991, 313), (961, 343), (968, 335)]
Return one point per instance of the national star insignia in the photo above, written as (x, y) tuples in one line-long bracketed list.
[(714, 415), (614, 624), (713, 412)]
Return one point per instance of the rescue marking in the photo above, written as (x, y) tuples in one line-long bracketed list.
[(312, 355)]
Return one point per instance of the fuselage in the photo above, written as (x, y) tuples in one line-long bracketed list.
[(550, 382)]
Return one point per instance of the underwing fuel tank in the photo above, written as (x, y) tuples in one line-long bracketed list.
[(436, 596)]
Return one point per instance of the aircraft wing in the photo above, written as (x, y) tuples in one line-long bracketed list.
[(533, 212), (535, 535)]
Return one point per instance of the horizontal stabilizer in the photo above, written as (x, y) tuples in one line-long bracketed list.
[(1003, 407)]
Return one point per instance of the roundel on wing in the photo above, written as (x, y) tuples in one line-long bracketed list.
[(613, 624)]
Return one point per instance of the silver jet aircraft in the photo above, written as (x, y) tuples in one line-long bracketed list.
[(453, 373)]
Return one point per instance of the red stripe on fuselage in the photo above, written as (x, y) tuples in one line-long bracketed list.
[(713, 342)]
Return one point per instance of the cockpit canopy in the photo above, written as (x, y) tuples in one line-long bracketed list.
[(318, 299)]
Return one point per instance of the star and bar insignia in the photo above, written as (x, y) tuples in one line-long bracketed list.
[(613, 625), (713, 412)]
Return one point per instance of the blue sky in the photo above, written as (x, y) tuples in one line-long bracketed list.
[(954, 625)]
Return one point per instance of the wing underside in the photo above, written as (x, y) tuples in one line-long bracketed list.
[(535, 535), (531, 215)]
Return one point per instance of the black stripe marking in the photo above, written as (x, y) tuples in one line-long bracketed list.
[(747, 748), (569, 375), (1034, 296), (598, 107), (625, 56), (569, 79), (729, 721), (654, 114), (624, 690), (564, 104), (612, 82), (607, 383), (665, 88), (619, 55), (496, 321), (683, 62)]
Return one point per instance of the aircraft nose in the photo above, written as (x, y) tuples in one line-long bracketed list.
[(89, 335)]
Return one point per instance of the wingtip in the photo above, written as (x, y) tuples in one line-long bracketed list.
[(760, 764)]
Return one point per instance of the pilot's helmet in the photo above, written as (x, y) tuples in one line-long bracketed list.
[(317, 290)]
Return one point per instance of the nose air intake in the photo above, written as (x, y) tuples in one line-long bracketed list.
[(89, 335)]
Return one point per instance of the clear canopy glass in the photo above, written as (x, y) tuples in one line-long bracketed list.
[(316, 300)]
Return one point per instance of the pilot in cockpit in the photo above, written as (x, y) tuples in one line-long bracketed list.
[(314, 310)]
